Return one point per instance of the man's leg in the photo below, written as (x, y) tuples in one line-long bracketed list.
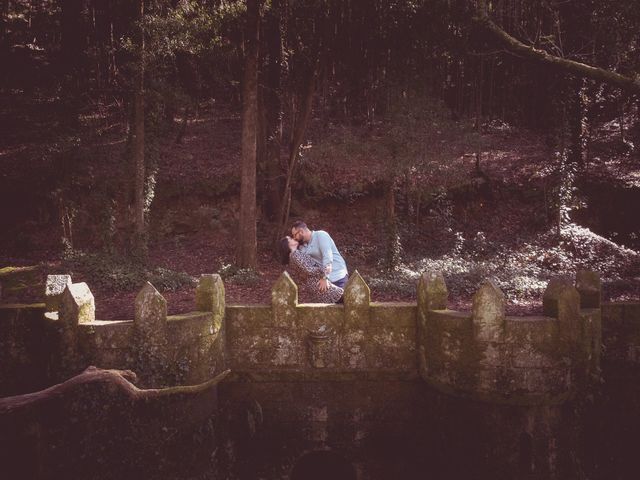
[(342, 282)]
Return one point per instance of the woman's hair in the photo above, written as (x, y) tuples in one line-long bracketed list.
[(283, 250)]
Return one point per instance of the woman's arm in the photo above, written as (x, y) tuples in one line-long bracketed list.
[(306, 264)]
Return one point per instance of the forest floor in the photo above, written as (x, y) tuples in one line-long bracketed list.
[(496, 223)]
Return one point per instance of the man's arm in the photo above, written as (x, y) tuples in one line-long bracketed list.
[(324, 244)]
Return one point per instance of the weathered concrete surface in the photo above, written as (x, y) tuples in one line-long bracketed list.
[(527, 361)]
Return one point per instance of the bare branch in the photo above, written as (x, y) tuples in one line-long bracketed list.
[(580, 69)]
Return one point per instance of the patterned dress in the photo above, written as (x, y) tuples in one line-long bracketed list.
[(306, 272)]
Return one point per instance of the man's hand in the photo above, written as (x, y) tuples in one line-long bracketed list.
[(323, 284)]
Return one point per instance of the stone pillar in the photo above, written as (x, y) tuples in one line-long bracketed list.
[(432, 292), (284, 300), (210, 295), (488, 312), (568, 305), (77, 305), (353, 341), (589, 287), (150, 314), (54, 289), (551, 295), (150, 347), (357, 298)]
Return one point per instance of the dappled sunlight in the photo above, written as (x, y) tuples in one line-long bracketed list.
[(522, 272)]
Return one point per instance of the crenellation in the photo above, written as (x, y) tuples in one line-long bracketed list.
[(210, 295), (357, 301), (481, 351), (284, 299), (488, 312), (317, 374), (514, 360), (77, 305), (551, 293), (432, 291), (589, 286), (150, 315)]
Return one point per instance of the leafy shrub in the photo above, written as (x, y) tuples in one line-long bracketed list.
[(119, 273), (239, 276)]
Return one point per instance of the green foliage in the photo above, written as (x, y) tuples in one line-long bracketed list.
[(241, 276), (118, 273)]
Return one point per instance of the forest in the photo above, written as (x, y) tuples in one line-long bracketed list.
[(163, 139)]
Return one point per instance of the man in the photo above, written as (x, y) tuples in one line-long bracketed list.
[(321, 247)]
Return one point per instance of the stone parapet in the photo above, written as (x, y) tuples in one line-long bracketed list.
[(522, 360), (480, 354), (358, 336)]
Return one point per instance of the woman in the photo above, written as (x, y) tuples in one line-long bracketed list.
[(307, 272)]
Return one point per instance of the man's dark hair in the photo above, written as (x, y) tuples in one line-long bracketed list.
[(283, 250), (299, 224)]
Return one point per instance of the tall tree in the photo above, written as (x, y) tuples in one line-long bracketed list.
[(137, 142), (247, 233), (73, 45)]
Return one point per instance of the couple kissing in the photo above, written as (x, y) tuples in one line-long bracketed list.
[(314, 263)]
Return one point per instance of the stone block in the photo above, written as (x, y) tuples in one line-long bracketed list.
[(352, 347), (77, 305), (321, 347), (54, 288), (550, 297), (493, 354), (357, 300), (393, 315), (568, 304), (106, 334), (589, 287), (432, 291), (488, 312), (523, 356), (357, 292), (392, 349), (284, 299), (537, 331), (150, 315), (190, 327), (210, 294), (313, 316)]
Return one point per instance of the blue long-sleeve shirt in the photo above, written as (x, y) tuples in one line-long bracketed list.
[(322, 248)]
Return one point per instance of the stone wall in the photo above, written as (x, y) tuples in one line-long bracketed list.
[(523, 360), (319, 341), (45, 344), (400, 390)]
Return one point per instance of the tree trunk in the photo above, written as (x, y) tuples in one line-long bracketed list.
[(273, 106), (247, 234), (137, 145), (71, 59), (300, 127)]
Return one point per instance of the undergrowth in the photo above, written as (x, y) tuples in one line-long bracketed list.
[(521, 273), (121, 273)]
